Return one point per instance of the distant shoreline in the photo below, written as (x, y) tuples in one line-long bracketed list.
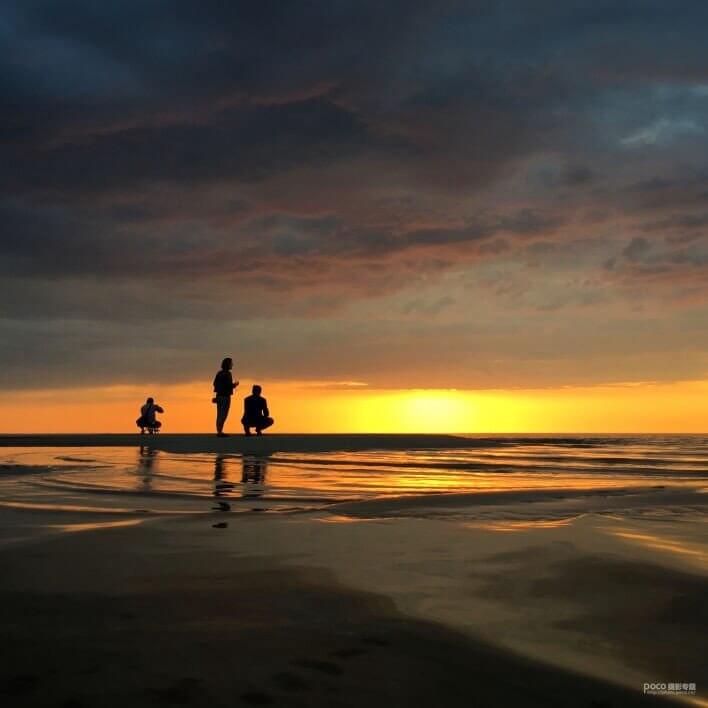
[(301, 442), (208, 442)]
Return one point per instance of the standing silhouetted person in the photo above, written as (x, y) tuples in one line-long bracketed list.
[(255, 412), (223, 388), (147, 417)]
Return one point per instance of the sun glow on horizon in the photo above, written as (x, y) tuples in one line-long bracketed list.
[(304, 407)]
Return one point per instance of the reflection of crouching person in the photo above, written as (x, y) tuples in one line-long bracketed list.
[(255, 412), (147, 417)]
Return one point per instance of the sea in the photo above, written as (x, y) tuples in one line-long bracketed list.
[(482, 474)]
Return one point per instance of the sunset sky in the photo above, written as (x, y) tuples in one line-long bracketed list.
[(468, 216)]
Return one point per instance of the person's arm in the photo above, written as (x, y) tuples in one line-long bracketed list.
[(265, 408), (216, 381), (159, 409)]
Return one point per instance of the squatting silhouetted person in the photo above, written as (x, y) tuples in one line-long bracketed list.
[(147, 417), (255, 412), (224, 387)]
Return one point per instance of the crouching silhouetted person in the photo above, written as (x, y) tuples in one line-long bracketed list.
[(147, 417), (255, 413)]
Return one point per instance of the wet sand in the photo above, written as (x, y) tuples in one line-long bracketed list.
[(182, 613)]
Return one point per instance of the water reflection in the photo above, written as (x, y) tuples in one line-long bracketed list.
[(96, 525), (147, 457), (222, 486), (318, 478), (507, 525), (655, 541), (253, 476)]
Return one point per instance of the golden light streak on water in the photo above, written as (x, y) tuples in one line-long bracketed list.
[(515, 526), (662, 543), (96, 525)]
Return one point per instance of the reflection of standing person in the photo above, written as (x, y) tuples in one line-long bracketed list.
[(222, 486), (223, 388)]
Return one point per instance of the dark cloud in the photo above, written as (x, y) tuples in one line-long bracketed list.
[(172, 162), (636, 249), (244, 145)]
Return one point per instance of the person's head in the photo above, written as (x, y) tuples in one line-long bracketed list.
[(227, 364), (257, 390), (150, 400)]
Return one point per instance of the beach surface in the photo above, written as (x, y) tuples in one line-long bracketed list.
[(205, 442), (561, 573)]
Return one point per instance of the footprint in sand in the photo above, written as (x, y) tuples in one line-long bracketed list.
[(254, 698), (89, 670), (184, 690), (376, 641), (349, 652), (290, 682), (324, 667), (18, 685)]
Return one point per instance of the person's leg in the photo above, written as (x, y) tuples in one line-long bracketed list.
[(223, 403), (263, 423)]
